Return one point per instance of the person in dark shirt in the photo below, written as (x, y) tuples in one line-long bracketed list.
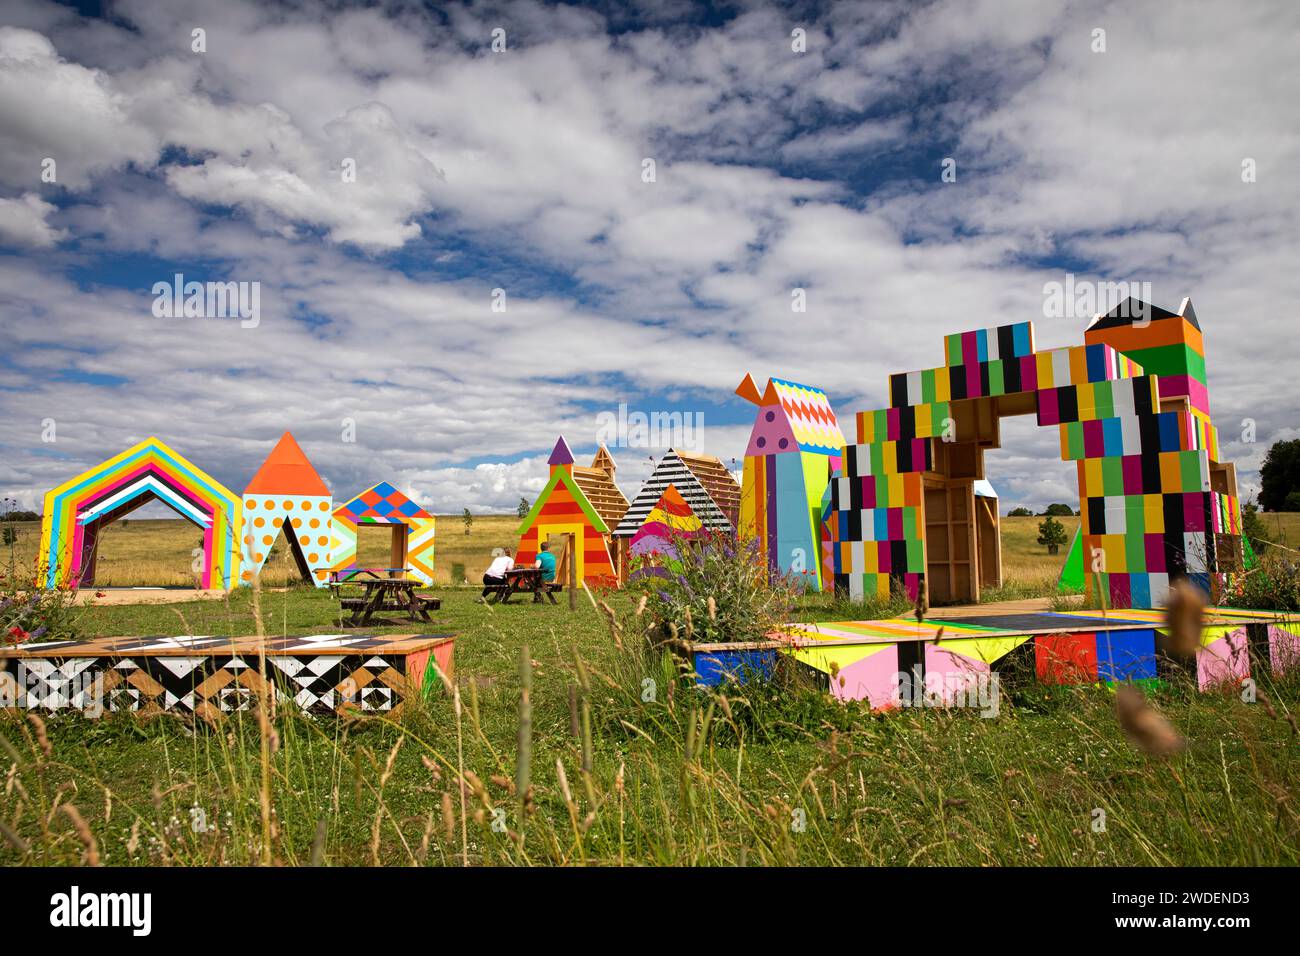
[(546, 561)]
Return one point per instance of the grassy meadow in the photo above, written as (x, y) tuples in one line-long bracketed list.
[(592, 769), (751, 775), (158, 551)]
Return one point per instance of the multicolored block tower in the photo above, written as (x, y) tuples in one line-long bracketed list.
[(795, 444), (1156, 503)]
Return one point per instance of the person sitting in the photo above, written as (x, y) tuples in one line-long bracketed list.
[(495, 575), (545, 561)]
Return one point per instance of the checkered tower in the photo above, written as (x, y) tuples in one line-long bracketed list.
[(1132, 408)]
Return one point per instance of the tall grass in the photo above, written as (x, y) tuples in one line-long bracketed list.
[(493, 768)]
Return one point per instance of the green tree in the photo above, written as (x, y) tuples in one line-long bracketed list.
[(1051, 533), (1021, 512), (1292, 502), (1058, 509), (1252, 526), (1279, 476), (524, 508), (468, 519)]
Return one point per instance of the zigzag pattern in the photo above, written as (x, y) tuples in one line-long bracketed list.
[(383, 504), (811, 416)]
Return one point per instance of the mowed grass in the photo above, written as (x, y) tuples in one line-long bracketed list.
[(753, 776)]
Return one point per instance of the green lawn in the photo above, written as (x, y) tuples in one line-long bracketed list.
[(756, 777)]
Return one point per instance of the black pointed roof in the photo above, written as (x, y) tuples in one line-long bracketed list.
[(1132, 310)]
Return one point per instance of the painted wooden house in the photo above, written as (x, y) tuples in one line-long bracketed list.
[(795, 444), (577, 501), (287, 496), (703, 484)]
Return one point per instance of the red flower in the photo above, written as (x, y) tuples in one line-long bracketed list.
[(18, 634)]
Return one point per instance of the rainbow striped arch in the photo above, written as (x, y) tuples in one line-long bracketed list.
[(78, 509)]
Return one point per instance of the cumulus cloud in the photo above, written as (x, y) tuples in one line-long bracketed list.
[(23, 222), (522, 171)]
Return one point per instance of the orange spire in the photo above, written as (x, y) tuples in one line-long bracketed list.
[(287, 471)]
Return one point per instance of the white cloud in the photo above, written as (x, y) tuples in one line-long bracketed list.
[(523, 170), (23, 222)]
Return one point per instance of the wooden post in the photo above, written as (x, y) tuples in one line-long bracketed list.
[(397, 551), (573, 572)]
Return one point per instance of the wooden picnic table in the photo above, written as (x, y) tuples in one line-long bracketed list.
[(381, 594), (525, 579)]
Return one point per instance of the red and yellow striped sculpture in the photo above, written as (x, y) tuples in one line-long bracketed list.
[(563, 509)]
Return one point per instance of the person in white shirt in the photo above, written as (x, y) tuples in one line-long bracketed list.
[(495, 575)]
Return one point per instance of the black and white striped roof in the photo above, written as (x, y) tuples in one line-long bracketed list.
[(671, 470)]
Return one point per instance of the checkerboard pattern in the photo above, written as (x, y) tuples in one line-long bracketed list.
[(384, 505), (1140, 434)]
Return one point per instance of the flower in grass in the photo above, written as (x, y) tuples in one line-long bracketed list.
[(18, 635)]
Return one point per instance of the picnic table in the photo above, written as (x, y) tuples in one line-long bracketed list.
[(524, 579), (380, 594)]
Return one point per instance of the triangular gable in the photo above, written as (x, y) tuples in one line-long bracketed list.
[(287, 471), (381, 504), (811, 416), (1131, 311), (669, 520), (671, 470), (748, 390), (560, 454), (605, 462), (563, 476)]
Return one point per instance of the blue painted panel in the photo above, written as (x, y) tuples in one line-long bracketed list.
[(714, 666), (1126, 655)]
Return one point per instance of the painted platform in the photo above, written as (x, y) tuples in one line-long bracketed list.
[(214, 676), (871, 660)]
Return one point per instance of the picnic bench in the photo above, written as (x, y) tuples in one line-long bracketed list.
[(378, 594), (523, 579)]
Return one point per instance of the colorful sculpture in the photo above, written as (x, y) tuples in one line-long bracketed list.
[(670, 525), (795, 445), (568, 506), (1157, 504), (412, 547), (887, 662), (288, 495), (77, 510), (702, 482)]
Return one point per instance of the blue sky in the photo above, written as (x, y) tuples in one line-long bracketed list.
[(522, 170)]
